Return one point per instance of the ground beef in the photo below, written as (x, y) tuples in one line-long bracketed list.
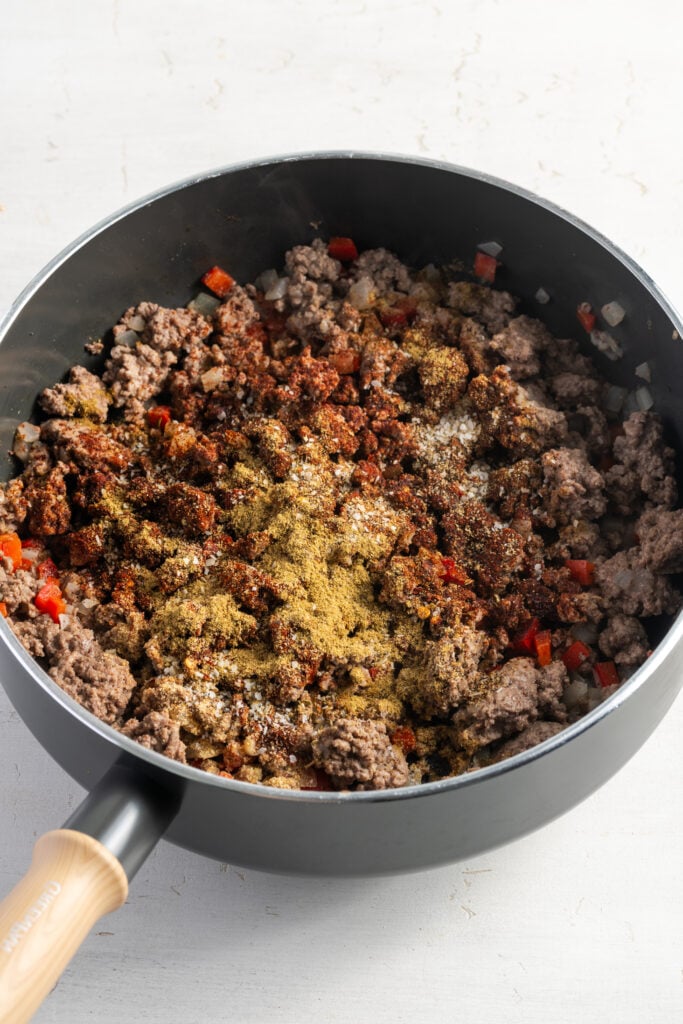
[(629, 587), (382, 362), (135, 375), (313, 262), (12, 505), (660, 535), (321, 561), (562, 356), (571, 390), (624, 640), (356, 752), (493, 308), (643, 467), (234, 316), (17, 589), (517, 694), (157, 731), (475, 345), (528, 738), (593, 429), (309, 290), (98, 679), (510, 416), (175, 329), (83, 396), (128, 636), (572, 488), (579, 539), (451, 672), (443, 375), (384, 270), (520, 345), (84, 447)]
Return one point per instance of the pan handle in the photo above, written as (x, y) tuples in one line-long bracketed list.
[(78, 873)]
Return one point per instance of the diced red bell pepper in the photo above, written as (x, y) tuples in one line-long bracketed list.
[(485, 267), (3, 609), (322, 782), (525, 642), (218, 281), (581, 570), (10, 547), (402, 311), (404, 737), (50, 601), (452, 573), (27, 565), (374, 672), (606, 673), (586, 316), (575, 655), (48, 571), (345, 362), (343, 249), (31, 544), (544, 649), (159, 416)]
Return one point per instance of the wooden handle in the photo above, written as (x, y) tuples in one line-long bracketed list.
[(72, 881)]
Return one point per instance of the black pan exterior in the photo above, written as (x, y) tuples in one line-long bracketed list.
[(244, 218)]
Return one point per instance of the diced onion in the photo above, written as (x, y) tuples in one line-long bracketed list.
[(266, 280), (643, 371), (542, 296), (126, 338), (33, 554), (614, 399), (631, 404), (212, 378), (71, 589), (587, 632), (137, 323), (361, 293), (490, 248), (277, 290), (613, 313), (204, 303), (25, 435), (575, 692), (644, 399), (606, 344), (64, 621), (88, 603), (595, 697)]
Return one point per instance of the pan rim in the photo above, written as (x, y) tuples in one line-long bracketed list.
[(186, 772)]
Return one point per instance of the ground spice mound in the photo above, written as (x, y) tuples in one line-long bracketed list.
[(352, 526)]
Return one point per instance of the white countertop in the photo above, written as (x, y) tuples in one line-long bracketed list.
[(102, 103)]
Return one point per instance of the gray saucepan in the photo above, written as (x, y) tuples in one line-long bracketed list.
[(244, 218)]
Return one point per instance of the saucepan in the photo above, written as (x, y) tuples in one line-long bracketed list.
[(244, 218)]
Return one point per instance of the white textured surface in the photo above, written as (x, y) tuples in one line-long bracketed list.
[(102, 103)]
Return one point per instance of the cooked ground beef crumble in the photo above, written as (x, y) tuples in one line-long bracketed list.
[(350, 527)]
